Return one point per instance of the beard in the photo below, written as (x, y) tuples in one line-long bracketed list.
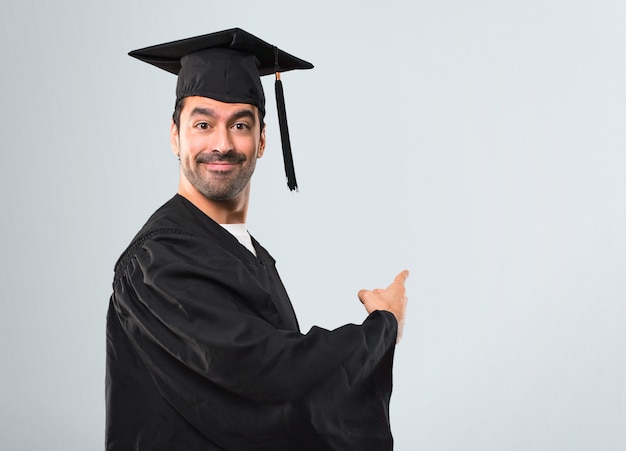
[(219, 185)]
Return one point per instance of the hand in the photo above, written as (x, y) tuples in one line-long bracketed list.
[(393, 299)]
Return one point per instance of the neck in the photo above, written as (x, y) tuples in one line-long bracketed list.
[(230, 211)]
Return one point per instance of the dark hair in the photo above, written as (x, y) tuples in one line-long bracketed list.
[(181, 103), (177, 109)]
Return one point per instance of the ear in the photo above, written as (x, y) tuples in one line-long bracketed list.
[(261, 144), (174, 139)]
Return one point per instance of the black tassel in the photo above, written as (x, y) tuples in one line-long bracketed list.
[(284, 135)]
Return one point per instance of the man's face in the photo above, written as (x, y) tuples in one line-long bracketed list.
[(218, 144)]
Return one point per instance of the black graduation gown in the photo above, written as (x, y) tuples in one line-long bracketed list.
[(204, 352)]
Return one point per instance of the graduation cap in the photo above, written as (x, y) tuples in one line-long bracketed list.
[(227, 66)]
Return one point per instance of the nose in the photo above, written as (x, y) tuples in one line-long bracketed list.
[(223, 142)]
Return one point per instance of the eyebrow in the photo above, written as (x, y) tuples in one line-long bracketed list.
[(199, 111), (245, 113)]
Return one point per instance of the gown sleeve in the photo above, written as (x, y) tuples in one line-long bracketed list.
[(200, 324)]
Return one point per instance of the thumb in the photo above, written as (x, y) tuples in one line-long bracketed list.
[(363, 294)]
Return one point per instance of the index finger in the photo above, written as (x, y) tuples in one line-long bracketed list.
[(401, 278)]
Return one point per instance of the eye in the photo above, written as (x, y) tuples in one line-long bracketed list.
[(201, 125), (242, 126)]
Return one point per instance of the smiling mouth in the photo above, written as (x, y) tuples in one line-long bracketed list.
[(220, 159), (221, 166), (221, 163)]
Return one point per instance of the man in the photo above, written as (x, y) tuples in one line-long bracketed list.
[(204, 350)]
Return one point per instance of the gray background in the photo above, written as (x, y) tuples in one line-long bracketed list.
[(478, 143)]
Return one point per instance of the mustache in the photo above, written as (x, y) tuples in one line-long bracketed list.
[(230, 157)]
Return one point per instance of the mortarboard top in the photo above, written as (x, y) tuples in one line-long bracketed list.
[(167, 56), (227, 66)]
